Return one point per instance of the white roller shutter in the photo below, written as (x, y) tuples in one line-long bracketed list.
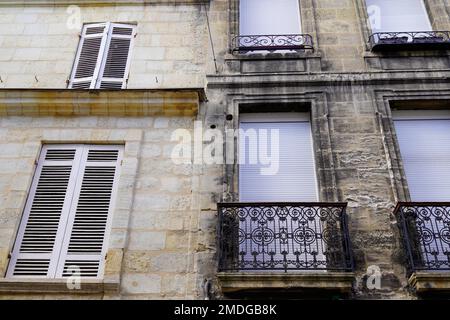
[(295, 180), (268, 17), (67, 213), (398, 15), (296, 176), (425, 149), (103, 57)]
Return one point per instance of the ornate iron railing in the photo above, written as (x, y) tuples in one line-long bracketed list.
[(425, 229), (422, 40), (294, 42), (283, 236)]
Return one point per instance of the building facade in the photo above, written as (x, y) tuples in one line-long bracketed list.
[(124, 154)]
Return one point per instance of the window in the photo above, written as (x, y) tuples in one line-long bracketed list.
[(268, 17), (398, 15), (287, 140), (103, 57), (272, 26), (424, 140), (293, 177), (68, 212)]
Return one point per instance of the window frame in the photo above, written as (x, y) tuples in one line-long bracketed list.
[(366, 28), (313, 103), (307, 23)]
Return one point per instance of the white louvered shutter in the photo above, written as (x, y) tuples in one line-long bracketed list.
[(68, 212), (89, 56), (41, 232), (116, 61), (103, 57), (85, 242), (296, 177)]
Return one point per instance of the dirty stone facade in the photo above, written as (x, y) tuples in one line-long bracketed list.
[(163, 238)]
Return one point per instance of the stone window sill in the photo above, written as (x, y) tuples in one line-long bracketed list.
[(430, 282), (337, 281), (30, 285)]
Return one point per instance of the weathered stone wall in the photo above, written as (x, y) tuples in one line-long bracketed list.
[(361, 157), (163, 242)]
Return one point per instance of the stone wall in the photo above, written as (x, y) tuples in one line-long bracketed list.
[(154, 221), (163, 242)]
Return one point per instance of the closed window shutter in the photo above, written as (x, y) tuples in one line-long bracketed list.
[(41, 232), (295, 179), (398, 15), (89, 56), (268, 17), (425, 150), (103, 57), (66, 219), (84, 248), (115, 67)]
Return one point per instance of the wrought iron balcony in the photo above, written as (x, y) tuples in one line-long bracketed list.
[(293, 42), (424, 40), (425, 229), (283, 236)]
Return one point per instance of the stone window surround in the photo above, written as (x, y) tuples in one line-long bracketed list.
[(385, 101), (317, 105), (365, 24), (308, 23), (421, 282)]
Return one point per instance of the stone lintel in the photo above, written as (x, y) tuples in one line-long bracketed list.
[(428, 282), (129, 102), (339, 281), (35, 285)]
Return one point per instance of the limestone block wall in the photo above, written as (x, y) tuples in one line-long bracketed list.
[(153, 241), (38, 46), (173, 48)]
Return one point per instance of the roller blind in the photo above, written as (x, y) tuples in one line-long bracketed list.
[(398, 15), (295, 179), (425, 150), (68, 211), (267, 17), (103, 57)]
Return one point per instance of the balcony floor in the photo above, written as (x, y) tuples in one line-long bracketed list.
[(251, 281)]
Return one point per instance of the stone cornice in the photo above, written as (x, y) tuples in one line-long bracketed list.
[(130, 102), (328, 79), (94, 2)]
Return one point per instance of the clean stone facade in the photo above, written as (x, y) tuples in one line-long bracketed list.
[(163, 238)]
